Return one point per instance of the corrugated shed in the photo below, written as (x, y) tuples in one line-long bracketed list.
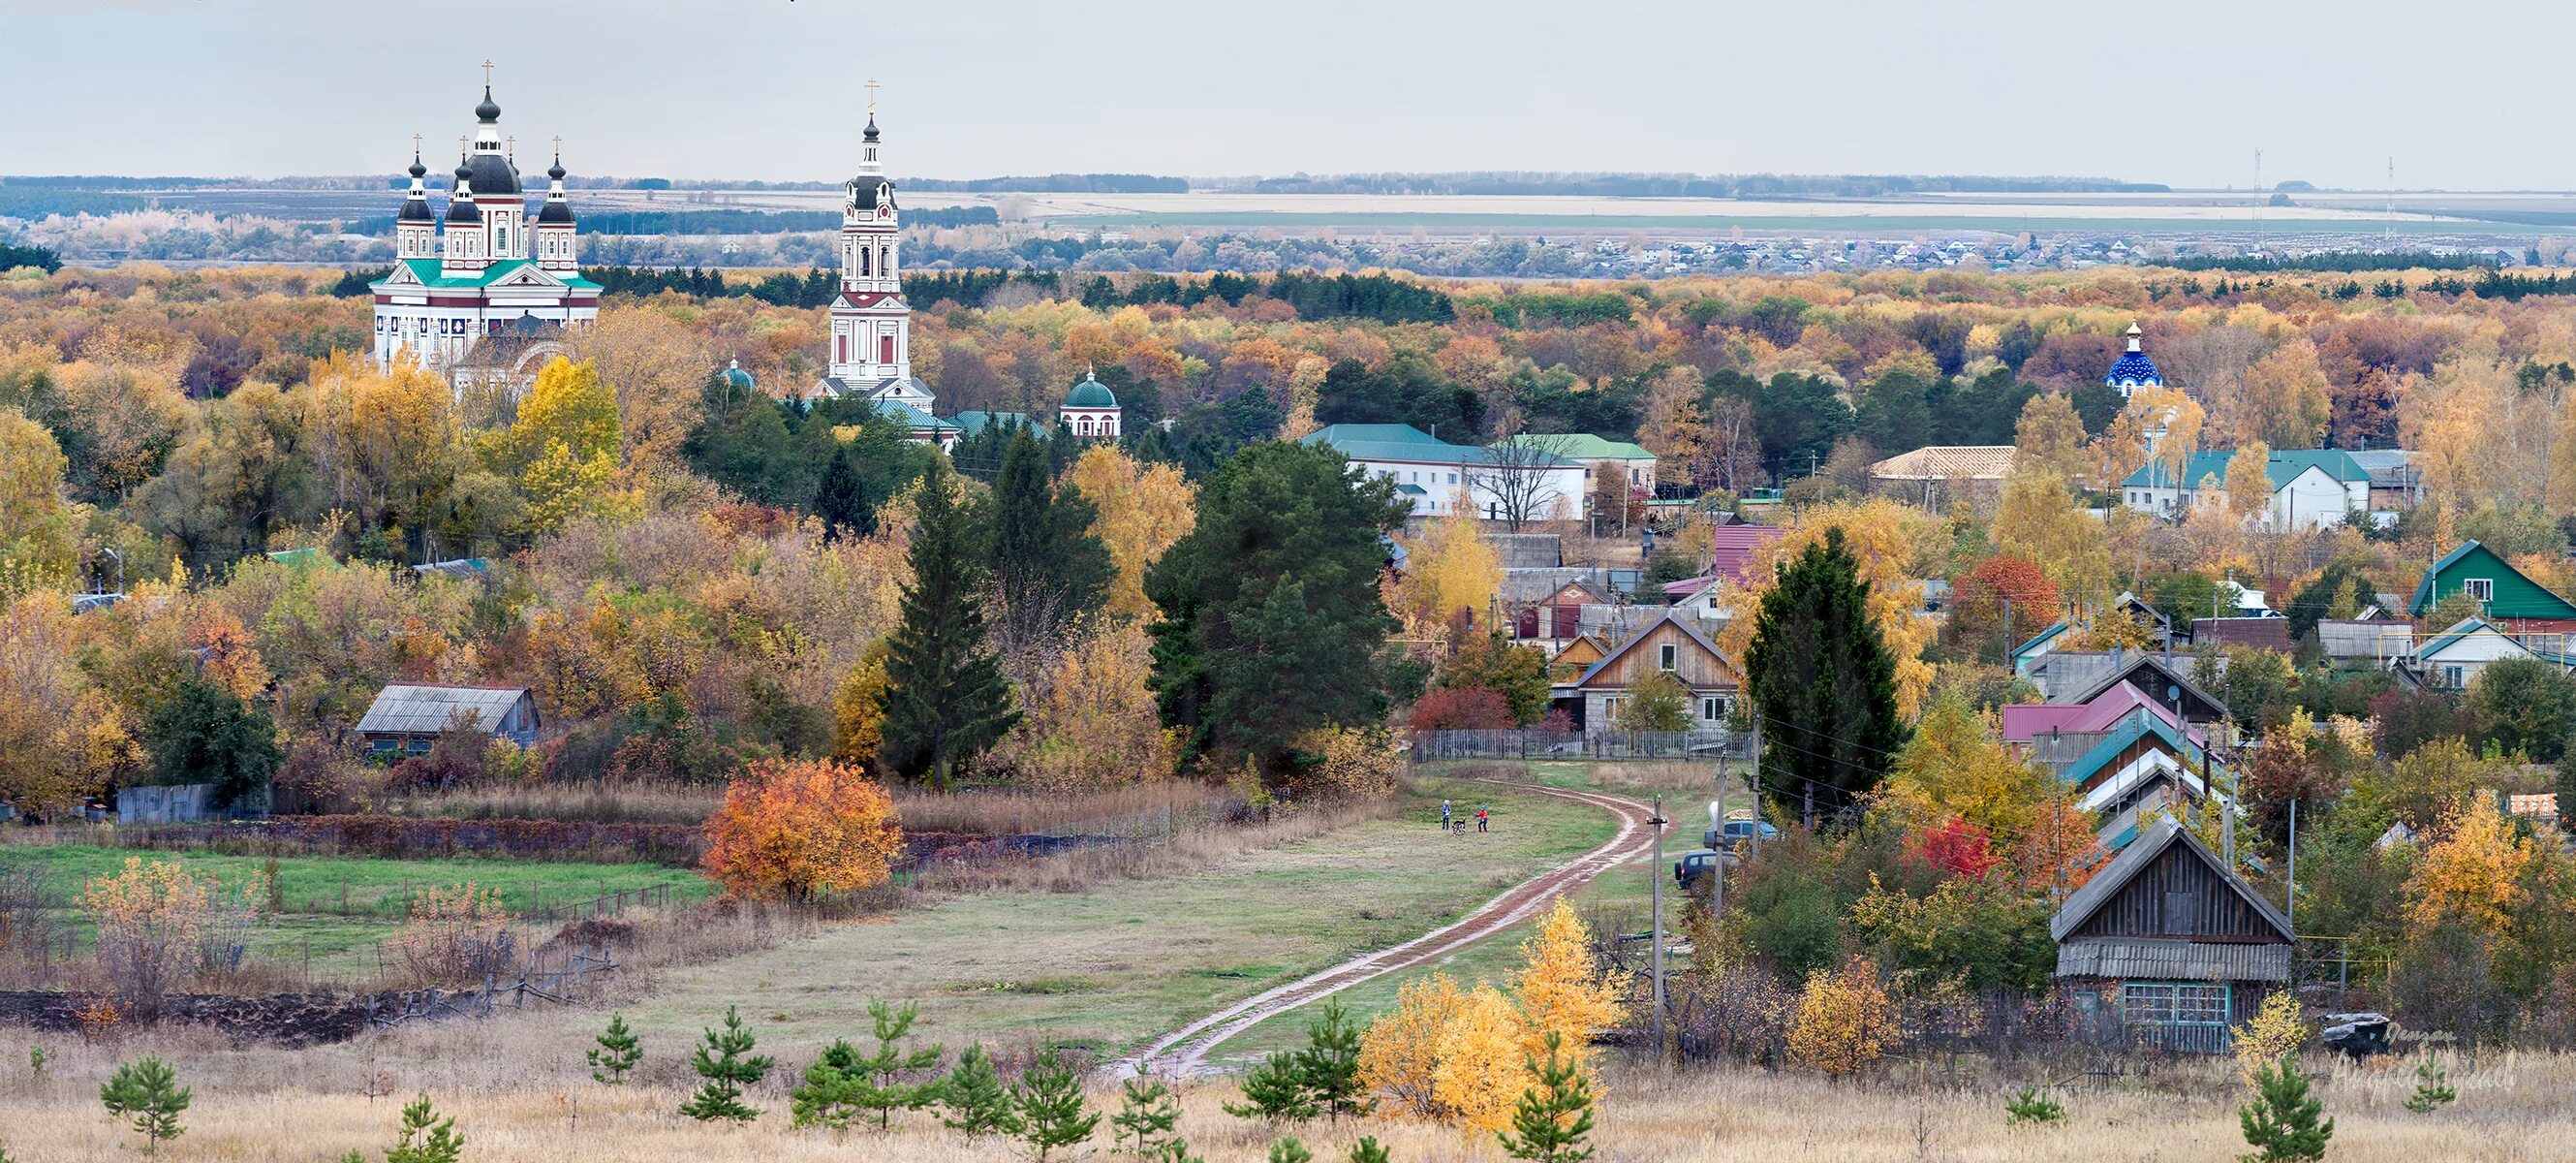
[(1948, 462), (1528, 550), (426, 710), (2350, 640), (2136, 959)]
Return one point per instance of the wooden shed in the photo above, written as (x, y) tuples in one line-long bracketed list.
[(2166, 948)]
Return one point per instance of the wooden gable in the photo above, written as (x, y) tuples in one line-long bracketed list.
[(1574, 593), (1695, 660), (1583, 651), (2168, 886)]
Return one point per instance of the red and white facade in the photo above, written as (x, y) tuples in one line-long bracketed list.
[(871, 336)]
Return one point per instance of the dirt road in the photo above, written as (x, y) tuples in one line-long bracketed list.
[(1184, 1051)]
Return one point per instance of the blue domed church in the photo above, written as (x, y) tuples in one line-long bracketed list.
[(2133, 370), (483, 293)]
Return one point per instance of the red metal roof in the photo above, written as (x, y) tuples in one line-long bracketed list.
[(1731, 547)]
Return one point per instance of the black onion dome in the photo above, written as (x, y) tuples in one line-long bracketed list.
[(415, 210), (554, 211), (493, 174), (462, 212), (418, 170), (872, 128), (487, 112), (556, 171)]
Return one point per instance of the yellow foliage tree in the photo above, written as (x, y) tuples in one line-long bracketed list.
[(1448, 567), (1089, 721), (1954, 767), (2249, 481), (858, 710), (2475, 873), (2287, 399), (1354, 761), (2050, 437), (1844, 1020), (1400, 1051), (1481, 1070), (2037, 519), (1562, 988), (2274, 1030), (37, 545), (1143, 509)]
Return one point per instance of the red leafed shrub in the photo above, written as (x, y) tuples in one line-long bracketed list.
[(1462, 709), (1958, 848)]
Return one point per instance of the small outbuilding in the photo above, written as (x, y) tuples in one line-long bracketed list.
[(406, 718), (2166, 948)]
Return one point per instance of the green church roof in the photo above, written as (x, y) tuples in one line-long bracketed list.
[(433, 276), (1090, 393)]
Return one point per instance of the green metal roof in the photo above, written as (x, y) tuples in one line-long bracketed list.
[(1090, 393), (2513, 593), (908, 414), (2281, 468), (434, 277), (973, 422), (1583, 446), (1404, 442)]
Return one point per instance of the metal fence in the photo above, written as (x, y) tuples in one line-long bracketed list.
[(581, 972), (1536, 744)]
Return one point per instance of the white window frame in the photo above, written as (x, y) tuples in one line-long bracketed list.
[(2481, 588), (1668, 657)]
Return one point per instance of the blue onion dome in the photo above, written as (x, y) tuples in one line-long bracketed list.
[(415, 207), (2134, 369), (1090, 393), (487, 112), (417, 170), (735, 377), (871, 134), (460, 199)]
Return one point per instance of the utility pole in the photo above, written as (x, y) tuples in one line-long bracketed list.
[(1756, 834), (2294, 870), (1655, 877), (1717, 825)]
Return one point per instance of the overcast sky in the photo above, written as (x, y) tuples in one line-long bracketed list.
[(2464, 94)]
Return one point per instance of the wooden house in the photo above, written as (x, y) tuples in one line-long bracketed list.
[(1576, 657), (1672, 644), (1559, 616), (2506, 596), (2166, 948), (405, 718)]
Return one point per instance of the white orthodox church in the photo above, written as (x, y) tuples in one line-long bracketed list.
[(871, 343), (484, 292)]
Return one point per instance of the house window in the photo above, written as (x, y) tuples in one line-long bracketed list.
[(1668, 656), (1712, 709), (2481, 588), (1453, 478), (2177, 1015), (2455, 677), (1610, 708)]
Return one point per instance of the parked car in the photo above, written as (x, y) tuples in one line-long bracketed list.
[(1688, 871), (1737, 831)]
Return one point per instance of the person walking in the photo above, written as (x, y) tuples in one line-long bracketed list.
[(1480, 817), (1444, 815)]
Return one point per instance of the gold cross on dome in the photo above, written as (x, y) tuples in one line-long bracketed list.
[(872, 96), (487, 72), (415, 145)]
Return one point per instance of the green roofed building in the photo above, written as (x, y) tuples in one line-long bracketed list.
[(1602, 459), (1503, 483), (2505, 595), (2311, 489)]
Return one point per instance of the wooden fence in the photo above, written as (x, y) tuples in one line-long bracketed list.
[(1536, 744), (582, 973)]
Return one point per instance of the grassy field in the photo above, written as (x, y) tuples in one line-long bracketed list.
[(1796, 224), (1113, 964), (340, 906), (281, 1108)]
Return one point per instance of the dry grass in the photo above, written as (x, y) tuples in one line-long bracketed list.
[(1011, 812), (1187, 850), (629, 802), (531, 1102)]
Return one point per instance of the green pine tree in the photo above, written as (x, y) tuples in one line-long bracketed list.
[(148, 1094), (618, 1052), (976, 1101), (1149, 1116), (2284, 1124), (1822, 680), (1554, 1115), (946, 700), (1049, 568), (841, 499), (1276, 1091), (727, 1070), (1329, 1066), (1367, 1150), (2030, 1106), (1289, 1150), (2432, 1088), (426, 1138), (843, 1084), (1052, 1112)]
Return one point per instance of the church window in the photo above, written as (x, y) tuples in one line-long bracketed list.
[(885, 349), (865, 256), (843, 348)]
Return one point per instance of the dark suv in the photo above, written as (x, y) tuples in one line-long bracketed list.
[(1688, 871), (1738, 831)]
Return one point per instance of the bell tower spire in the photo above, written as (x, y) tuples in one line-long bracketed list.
[(871, 353)]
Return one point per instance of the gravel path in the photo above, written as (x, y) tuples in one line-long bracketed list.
[(1184, 1051)]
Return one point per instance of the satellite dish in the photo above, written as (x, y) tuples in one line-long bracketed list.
[(2172, 691)]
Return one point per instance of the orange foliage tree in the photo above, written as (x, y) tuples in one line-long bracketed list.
[(1844, 1020), (799, 827)]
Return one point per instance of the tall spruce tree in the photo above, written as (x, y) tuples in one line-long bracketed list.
[(1271, 621), (1047, 565), (842, 499), (1823, 682), (945, 700)]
